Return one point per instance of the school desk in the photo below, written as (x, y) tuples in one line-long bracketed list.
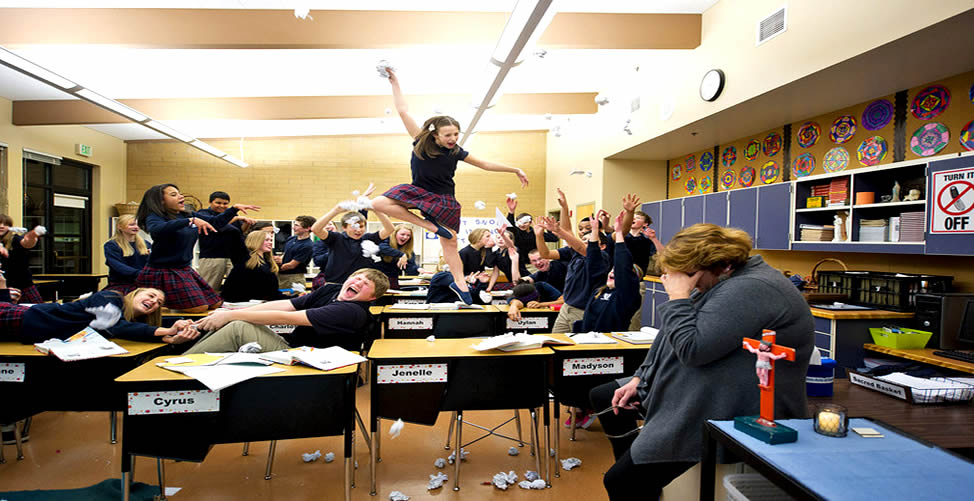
[(307, 403), (74, 284), (414, 324), (533, 320), (46, 383), (896, 466), (414, 380), (576, 369)]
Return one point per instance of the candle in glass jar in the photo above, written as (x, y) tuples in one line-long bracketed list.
[(829, 421)]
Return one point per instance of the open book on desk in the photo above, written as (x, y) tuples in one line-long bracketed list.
[(646, 335), (326, 359), (591, 338), (219, 370), (84, 345), (517, 342)]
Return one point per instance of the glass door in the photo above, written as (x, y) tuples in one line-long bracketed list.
[(58, 196)]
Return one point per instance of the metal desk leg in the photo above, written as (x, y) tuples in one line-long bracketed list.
[(348, 478), (246, 449), (458, 451), (534, 440), (547, 444), (270, 459), (573, 417), (3, 460), (557, 440), (161, 468), (449, 433), (20, 445), (373, 453), (517, 422), (113, 423), (351, 431)]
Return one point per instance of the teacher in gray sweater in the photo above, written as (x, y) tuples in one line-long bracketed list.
[(696, 369)]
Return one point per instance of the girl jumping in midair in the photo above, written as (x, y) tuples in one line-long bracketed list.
[(433, 163)]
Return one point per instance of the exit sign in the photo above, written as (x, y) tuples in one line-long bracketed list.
[(83, 149)]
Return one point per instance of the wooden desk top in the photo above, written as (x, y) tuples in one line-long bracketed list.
[(441, 348), (859, 314), (389, 309), (45, 282), (135, 348), (504, 308), (71, 275), (948, 426), (619, 345), (166, 312), (149, 371), (924, 355), (652, 278)]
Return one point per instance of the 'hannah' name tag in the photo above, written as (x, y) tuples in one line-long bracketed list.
[(592, 366), (411, 373), (528, 323), (411, 323), (13, 373), (173, 402)]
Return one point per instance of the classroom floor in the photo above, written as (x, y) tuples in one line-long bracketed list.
[(72, 449)]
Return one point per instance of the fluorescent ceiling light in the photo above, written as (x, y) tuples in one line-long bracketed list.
[(234, 161), (207, 148), (111, 105), (24, 66), (167, 130), (525, 15)]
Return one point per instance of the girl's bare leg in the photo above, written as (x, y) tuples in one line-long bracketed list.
[(393, 208), (452, 257)]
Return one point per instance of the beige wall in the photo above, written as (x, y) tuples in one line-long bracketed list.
[(108, 177), (308, 175), (642, 177)]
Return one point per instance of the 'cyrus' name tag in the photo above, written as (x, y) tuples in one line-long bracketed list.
[(173, 402)]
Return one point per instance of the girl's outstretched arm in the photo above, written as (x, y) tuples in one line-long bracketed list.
[(496, 167), (411, 126)]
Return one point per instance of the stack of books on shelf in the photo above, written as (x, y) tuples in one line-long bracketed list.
[(820, 190), (873, 230), (911, 227), (816, 233), (839, 191)]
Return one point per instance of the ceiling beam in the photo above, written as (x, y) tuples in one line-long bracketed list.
[(76, 112), (279, 29)]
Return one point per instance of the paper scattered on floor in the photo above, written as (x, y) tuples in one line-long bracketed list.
[(172, 490), (396, 428), (453, 456), (568, 464), (437, 481), (439, 463), (531, 475), (329, 457), (503, 480), (398, 496), (534, 484), (311, 457), (513, 451)]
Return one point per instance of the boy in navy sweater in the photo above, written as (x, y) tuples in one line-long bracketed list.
[(346, 248), (297, 253), (217, 249)]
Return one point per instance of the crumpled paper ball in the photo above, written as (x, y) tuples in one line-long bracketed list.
[(512, 196), (329, 457), (570, 463), (513, 451), (396, 428), (370, 249), (531, 475), (361, 202), (40, 230), (439, 463), (436, 481), (453, 456), (480, 205), (105, 316), (251, 347), (383, 68), (312, 457), (534, 484), (503, 480), (485, 297), (398, 496)]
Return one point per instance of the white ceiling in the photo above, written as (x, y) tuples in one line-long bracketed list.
[(128, 73)]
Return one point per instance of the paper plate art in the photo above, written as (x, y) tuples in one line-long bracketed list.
[(871, 151), (929, 139), (752, 149), (729, 156), (691, 163), (836, 159), (803, 165), (878, 114), (676, 172), (690, 185), (930, 102), (772, 144), (843, 128), (727, 179), (808, 134), (967, 136), (706, 161), (770, 172), (747, 177), (705, 184)]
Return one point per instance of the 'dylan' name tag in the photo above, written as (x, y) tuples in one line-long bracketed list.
[(498, 302), (421, 300), (282, 329), (528, 323), (592, 366), (173, 402), (411, 323), (411, 373), (13, 373)]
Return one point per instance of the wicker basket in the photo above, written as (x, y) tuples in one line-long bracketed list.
[(811, 293), (130, 208)]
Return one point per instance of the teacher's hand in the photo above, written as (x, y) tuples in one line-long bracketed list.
[(678, 284)]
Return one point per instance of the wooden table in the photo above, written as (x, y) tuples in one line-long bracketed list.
[(924, 355), (307, 402), (452, 376), (418, 324)]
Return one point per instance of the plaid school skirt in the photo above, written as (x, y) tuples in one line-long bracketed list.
[(11, 316), (184, 288), (30, 295), (443, 209), (122, 289)]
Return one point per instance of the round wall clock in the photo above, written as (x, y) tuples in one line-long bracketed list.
[(712, 85)]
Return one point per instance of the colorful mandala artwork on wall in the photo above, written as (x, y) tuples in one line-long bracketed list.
[(843, 128), (878, 114), (690, 185), (706, 162), (803, 165), (676, 172), (772, 144), (808, 134), (691, 164), (967, 135), (930, 102), (770, 172), (705, 185), (836, 159), (729, 156), (752, 149), (747, 176), (727, 179), (930, 139), (871, 151)]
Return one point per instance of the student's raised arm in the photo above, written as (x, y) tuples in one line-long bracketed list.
[(496, 167), (401, 107), (629, 204), (319, 227), (543, 251), (387, 227), (566, 214)]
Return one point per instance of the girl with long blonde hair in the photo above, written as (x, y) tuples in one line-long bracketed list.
[(254, 275), (397, 255), (125, 254)]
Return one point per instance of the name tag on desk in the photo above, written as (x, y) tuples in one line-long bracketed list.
[(421, 300), (173, 402), (528, 323), (411, 323), (282, 329), (592, 366), (411, 373), (13, 373)]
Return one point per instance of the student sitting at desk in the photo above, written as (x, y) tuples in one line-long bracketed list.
[(14, 258), (523, 236), (613, 304), (552, 272), (254, 275), (504, 260), (125, 254), (528, 295), (333, 315), (696, 369), (140, 318), (397, 255)]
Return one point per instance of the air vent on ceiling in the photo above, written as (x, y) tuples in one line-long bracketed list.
[(772, 26)]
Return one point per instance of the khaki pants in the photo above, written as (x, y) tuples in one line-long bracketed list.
[(566, 317), (213, 270), (232, 336), (284, 280), (637, 320)]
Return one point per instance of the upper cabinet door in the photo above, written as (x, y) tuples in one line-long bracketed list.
[(671, 219), (774, 210), (692, 210), (652, 209), (715, 208), (950, 207), (744, 210)]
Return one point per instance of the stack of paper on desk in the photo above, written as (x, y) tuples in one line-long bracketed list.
[(410, 306), (220, 370), (516, 342), (413, 281), (591, 338), (84, 345), (644, 336), (325, 359)]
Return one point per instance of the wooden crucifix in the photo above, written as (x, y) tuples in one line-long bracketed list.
[(763, 427)]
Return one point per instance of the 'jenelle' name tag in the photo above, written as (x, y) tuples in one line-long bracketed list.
[(173, 402), (592, 366), (411, 373), (13, 373), (528, 323), (411, 323)]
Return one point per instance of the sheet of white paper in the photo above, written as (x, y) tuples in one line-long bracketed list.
[(178, 360), (221, 376), (593, 338), (410, 306), (329, 358), (172, 490), (640, 335), (244, 358), (495, 342)]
